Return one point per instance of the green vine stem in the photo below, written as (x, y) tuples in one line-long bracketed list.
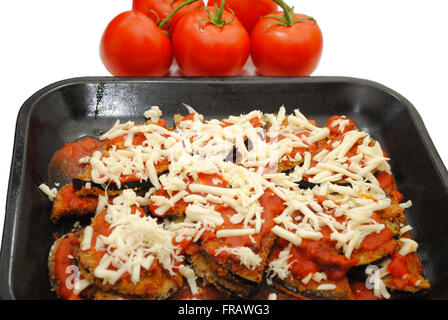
[(165, 21), (288, 15), (217, 18)]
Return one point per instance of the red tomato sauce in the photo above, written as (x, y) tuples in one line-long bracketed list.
[(298, 150), (214, 180), (137, 140), (189, 117), (255, 122), (101, 227), (161, 123), (66, 159), (184, 244), (316, 256), (376, 240), (321, 199), (324, 257), (334, 130), (397, 195), (328, 145), (65, 257), (180, 206), (386, 180), (133, 177), (361, 292), (71, 200), (388, 184), (398, 269), (272, 206)]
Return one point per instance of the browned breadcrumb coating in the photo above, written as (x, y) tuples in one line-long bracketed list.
[(218, 276), (234, 265), (155, 283), (310, 291), (68, 203)]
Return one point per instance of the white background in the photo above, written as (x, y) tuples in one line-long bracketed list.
[(399, 43)]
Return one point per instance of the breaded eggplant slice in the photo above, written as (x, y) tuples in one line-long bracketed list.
[(154, 284), (65, 165), (310, 291), (88, 188), (55, 284), (229, 261), (288, 164), (176, 211), (178, 118), (219, 277), (304, 184), (233, 155), (69, 203), (365, 255), (232, 263), (84, 185), (101, 295), (414, 267), (373, 256), (285, 166), (393, 217), (414, 272), (226, 272), (284, 123)]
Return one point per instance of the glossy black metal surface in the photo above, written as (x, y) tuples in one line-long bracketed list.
[(70, 109)]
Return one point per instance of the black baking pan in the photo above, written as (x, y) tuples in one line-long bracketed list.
[(70, 109)]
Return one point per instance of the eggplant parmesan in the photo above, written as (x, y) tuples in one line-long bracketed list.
[(252, 206)]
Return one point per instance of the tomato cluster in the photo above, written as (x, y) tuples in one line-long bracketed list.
[(212, 40)]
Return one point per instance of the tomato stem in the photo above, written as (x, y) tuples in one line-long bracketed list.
[(288, 14), (163, 22), (151, 12), (217, 19), (287, 10)]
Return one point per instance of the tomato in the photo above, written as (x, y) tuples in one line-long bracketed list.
[(282, 50), (160, 9), (202, 48), (133, 45), (249, 12)]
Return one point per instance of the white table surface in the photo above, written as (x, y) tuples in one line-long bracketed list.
[(402, 44)]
